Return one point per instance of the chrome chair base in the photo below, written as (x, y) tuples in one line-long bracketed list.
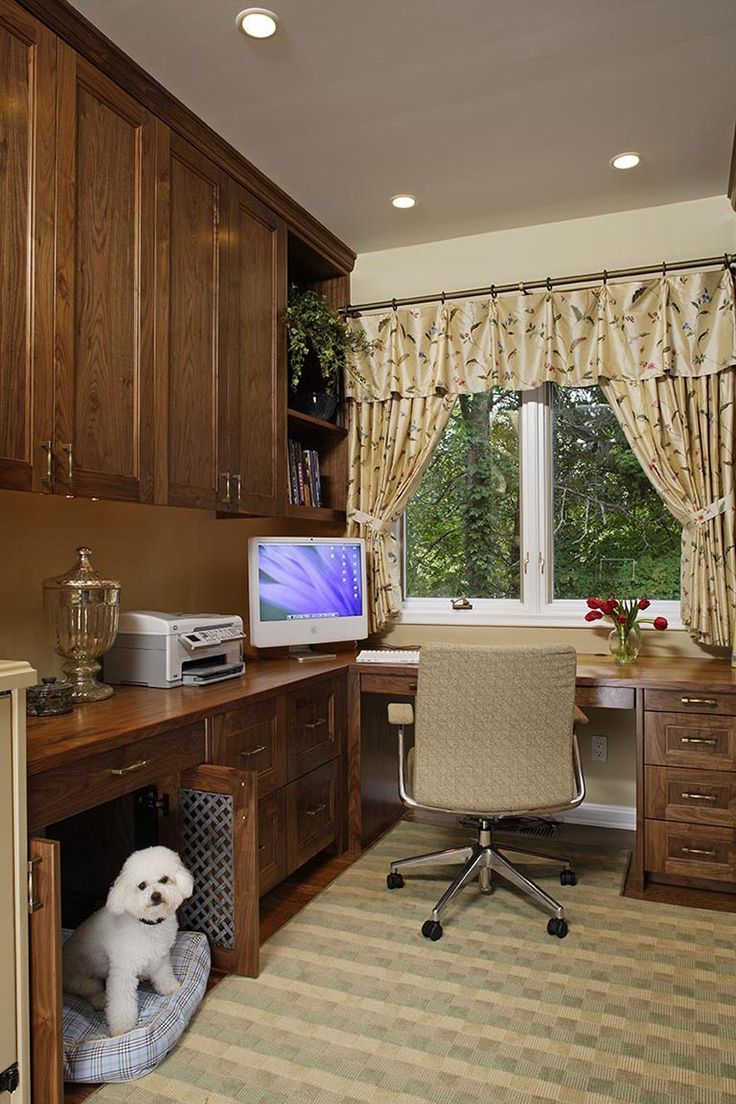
[(480, 859)]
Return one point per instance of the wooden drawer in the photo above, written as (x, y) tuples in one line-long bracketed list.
[(690, 850), (604, 697), (314, 719), (271, 840), (677, 740), (696, 701), (312, 812), (63, 791), (252, 738), (402, 685), (695, 796)]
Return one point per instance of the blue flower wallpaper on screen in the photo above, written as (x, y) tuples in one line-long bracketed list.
[(309, 580)]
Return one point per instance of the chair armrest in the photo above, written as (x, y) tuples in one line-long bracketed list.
[(400, 713)]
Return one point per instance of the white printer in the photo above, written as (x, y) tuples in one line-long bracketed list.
[(175, 649)]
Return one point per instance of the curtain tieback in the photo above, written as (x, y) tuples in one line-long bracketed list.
[(370, 521), (707, 513)]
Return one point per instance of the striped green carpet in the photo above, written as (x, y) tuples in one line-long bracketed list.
[(353, 1006)]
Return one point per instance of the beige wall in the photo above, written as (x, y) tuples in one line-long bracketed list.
[(681, 231), (166, 558)]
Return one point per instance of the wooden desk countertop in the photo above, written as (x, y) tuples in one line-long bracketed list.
[(134, 711)]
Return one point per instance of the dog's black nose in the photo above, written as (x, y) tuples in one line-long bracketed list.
[(156, 898)]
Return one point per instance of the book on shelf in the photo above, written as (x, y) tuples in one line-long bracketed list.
[(305, 483)]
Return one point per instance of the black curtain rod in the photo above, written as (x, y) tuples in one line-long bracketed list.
[(663, 267)]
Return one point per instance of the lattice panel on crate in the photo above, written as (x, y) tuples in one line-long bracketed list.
[(206, 848)]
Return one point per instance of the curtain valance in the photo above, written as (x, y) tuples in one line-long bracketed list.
[(633, 331)]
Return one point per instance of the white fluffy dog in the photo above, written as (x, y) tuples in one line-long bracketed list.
[(130, 938)]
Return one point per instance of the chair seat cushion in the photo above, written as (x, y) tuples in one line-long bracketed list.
[(91, 1055)]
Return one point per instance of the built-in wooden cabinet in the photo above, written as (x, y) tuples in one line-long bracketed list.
[(103, 439), (191, 304), (142, 345), (27, 167)]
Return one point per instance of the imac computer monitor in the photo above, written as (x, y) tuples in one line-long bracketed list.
[(306, 590)]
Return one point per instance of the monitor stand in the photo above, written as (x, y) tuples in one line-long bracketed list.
[(304, 654)]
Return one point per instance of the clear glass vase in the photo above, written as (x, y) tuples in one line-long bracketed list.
[(624, 644)]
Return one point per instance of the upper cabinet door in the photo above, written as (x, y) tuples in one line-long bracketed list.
[(256, 354), (27, 139), (104, 287), (191, 392)]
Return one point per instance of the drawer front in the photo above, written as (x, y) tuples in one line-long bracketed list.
[(271, 840), (252, 738), (696, 701), (604, 697), (676, 740), (312, 811), (315, 716), (66, 790), (404, 685), (697, 796), (690, 850)]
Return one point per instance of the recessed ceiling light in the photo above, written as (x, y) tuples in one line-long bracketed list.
[(257, 22), (403, 201), (627, 160)]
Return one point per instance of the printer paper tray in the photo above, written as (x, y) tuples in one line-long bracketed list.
[(212, 674)]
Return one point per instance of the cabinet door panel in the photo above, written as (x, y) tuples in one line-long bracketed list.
[(190, 306), (252, 738), (104, 336), (27, 130), (256, 354), (44, 931), (314, 722)]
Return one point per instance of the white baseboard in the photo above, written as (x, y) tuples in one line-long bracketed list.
[(603, 816)]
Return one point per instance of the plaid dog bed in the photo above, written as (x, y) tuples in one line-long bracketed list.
[(90, 1055)]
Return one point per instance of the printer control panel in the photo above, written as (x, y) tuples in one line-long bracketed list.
[(210, 638)]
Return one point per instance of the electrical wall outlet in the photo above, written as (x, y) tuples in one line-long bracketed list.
[(599, 749)]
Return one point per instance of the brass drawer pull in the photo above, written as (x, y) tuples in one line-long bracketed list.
[(698, 740), (315, 724), (252, 752), (698, 701), (237, 480), (120, 771), (699, 797), (48, 448), (69, 450), (227, 497), (313, 812), (697, 851)]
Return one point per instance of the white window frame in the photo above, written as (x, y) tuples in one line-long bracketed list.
[(537, 605)]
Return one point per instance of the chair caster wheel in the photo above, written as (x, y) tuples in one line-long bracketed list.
[(394, 881), (431, 929), (557, 927), (568, 877)]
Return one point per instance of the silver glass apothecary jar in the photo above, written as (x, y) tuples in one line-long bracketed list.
[(82, 612)]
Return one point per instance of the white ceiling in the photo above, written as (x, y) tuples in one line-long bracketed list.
[(495, 113)]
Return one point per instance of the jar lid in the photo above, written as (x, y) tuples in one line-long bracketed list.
[(81, 575), (49, 697)]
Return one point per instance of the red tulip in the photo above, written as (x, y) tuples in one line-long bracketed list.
[(609, 606), (622, 619), (593, 603), (660, 623), (593, 615), (644, 603)]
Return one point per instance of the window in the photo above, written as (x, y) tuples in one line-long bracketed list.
[(531, 503)]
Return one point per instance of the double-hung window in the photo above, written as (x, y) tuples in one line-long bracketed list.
[(532, 502)]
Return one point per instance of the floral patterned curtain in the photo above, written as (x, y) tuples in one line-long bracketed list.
[(653, 346)]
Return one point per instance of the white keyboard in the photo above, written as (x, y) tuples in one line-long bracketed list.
[(386, 655)]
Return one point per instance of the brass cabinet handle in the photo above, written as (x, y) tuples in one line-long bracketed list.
[(699, 797), (48, 448), (315, 724), (238, 488), (696, 851), (69, 450), (314, 812), (226, 498), (698, 701), (253, 751), (120, 771), (698, 740)]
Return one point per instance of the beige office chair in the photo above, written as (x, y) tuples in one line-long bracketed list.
[(494, 738)]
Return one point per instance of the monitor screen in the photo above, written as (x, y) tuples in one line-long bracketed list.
[(306, 589)]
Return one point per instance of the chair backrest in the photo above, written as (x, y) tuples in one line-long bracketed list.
[(493, 728)]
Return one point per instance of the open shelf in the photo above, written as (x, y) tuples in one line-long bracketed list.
[(316, 513), (306, 421)]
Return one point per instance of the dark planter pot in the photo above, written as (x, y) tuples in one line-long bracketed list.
[(316, 403)]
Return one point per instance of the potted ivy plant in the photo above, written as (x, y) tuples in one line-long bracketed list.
[(320, 341)]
